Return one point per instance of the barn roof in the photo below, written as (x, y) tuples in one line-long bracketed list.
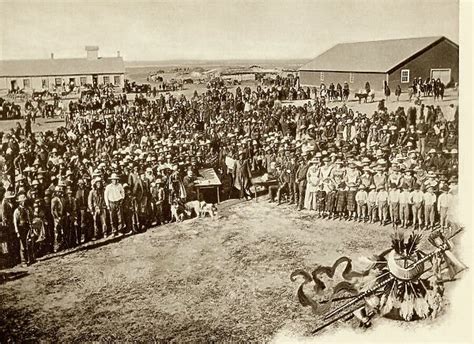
[(373, 56), (52, 67)]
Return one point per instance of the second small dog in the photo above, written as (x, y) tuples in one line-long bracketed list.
[(177, 212)]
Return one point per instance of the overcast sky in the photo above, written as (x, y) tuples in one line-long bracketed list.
[(218, 29)]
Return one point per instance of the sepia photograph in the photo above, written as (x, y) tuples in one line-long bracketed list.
[(235, 171)]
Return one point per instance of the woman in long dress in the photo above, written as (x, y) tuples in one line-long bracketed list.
[(312, 178), (325, 173)]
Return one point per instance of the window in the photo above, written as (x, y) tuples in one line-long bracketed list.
[(83, 80), (58, 81), (26, 83), (321, 77), (117, 80), (106, 79), (45, 83), (405, 77), (351, 78)]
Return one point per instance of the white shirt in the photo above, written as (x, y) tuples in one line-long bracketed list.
[(444, 200), (429, 198), (416, 197), (113, 193), (361, 196)]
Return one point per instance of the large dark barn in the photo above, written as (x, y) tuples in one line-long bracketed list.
[(397, 61)]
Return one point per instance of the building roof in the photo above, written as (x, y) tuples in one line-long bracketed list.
[(373, 56), (52, 67)]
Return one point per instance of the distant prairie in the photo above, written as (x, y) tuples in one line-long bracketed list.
[(290, 63)]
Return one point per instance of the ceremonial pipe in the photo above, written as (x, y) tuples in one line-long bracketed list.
[(360, 297), (336, 319)]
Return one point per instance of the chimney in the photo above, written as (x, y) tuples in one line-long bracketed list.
[(118, 53), (52, 56), (92, 52)]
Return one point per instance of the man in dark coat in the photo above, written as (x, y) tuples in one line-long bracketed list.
[(242, 175), (301, 173)]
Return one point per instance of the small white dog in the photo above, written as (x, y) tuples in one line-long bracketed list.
[(193, 207), (200, 209), (210, 209)]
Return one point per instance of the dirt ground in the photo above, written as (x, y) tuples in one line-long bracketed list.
[(203, 280)]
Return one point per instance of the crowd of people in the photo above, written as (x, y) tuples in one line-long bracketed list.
[(428, 88), (120, 166)]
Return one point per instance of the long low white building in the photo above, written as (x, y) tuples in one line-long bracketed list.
[(45, 74)]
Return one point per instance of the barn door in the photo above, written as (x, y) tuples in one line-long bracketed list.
[(444, 74)]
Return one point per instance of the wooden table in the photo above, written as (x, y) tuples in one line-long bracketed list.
[(209, 186), (208, 179), (257, 181)]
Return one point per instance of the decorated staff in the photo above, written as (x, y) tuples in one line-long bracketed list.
[(398, 284)]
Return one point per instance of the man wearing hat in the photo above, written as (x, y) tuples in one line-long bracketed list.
[(292, 167), (9, 229), (22, 224), (58, 212), (113, 196), (72, 232), (136, 184), (380, 178), (83, 217), (189, 183), (20, 183), (98, 208), (301, 173), (158, 196)]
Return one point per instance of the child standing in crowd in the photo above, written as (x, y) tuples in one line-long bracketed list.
[(394, 198), (444, 203), (361, 199), (382, 205), (341, 201), (372, 204), (404, 201), (416, 199), (321, 200), (351, 202), (429, 200)]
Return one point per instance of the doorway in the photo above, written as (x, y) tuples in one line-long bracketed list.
[(95, 80), (444, 74), (14, 85)]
